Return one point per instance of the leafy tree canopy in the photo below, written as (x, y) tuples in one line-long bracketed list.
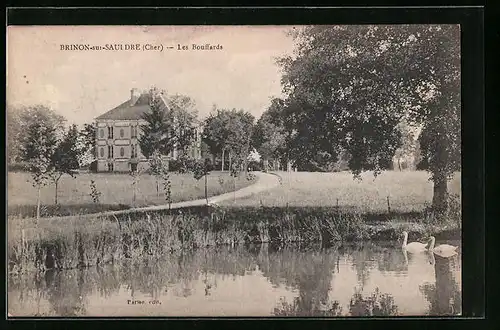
[(170, 123), (229, 130), (348, 87)]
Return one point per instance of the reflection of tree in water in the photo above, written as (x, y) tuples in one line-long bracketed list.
[(296, 309), (374, 305), (106, 280), (225, 260), (393, 260), (310, 272), (363, 260), (28, 288), (445, 296), (154, 276), (66, 292)]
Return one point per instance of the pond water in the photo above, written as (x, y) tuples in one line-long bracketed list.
[(371, 279)]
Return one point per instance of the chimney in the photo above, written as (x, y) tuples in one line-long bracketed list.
[(134, 96)]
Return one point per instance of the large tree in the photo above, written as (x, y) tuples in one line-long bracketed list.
[(66, 157), (169, 123), (13, 133), (229, 131), (169, 126), (49, 150), (184, 113), (216, 132), (269, 135), (87, 142), (157, 137), (409, 148), (38, 143), (348, 88), (157, 133), (20, 118)]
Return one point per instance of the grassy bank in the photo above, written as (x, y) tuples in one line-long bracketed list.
[(80, 243), (402, 192), (116, 191)]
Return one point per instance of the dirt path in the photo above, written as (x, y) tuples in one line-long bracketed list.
[(264, 182)]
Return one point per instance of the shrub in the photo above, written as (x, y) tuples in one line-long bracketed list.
[(93, 167), (97, 240), (174, 165), (454, 213), (18, 167), (94, 193), (255, 166)]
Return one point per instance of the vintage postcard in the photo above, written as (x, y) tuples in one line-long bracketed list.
[(248, 171)]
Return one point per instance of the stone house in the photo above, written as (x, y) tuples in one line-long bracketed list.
[(118, 131)]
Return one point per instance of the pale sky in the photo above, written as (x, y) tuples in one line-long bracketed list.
[(81, 85)]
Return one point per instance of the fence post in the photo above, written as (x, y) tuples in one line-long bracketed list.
[(337, 203), (388, 205)]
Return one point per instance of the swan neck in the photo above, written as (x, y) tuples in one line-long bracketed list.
[(405, 240), (432, 241)]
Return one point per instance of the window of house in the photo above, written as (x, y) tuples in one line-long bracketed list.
[(134, 151), (111, 167), (110, 132), (101, 151), (133, 131), (122, 152), (122, 132), (110, 151), (101, 133)]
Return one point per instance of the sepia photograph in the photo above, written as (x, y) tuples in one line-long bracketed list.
[(234, 171)]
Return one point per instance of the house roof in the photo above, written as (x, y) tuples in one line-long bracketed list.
[(127, 111)]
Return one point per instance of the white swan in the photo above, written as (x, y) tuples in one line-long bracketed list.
[(413, 247), (443, 250)]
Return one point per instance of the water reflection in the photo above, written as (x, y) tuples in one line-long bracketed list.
[(259, 280), (376, 304), (445, 294), (309, 273)]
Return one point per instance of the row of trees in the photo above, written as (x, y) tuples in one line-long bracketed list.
[(358, 92), (41, 142), (228, 134), (173, 127), (39, 138)]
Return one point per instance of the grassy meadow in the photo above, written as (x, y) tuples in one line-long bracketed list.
[(303, 209), (407, 191), (116, 191)]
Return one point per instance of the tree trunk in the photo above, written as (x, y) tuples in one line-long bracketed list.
[(245, 161), (222, 165), (206, 190), (133, 198), (230, 168), (234, 189), (440, 194), (55, 197), (157, 188), (38, 202), (399, 164), (266, 165)]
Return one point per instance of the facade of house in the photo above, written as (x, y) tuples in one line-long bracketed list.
[(118, 131)]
